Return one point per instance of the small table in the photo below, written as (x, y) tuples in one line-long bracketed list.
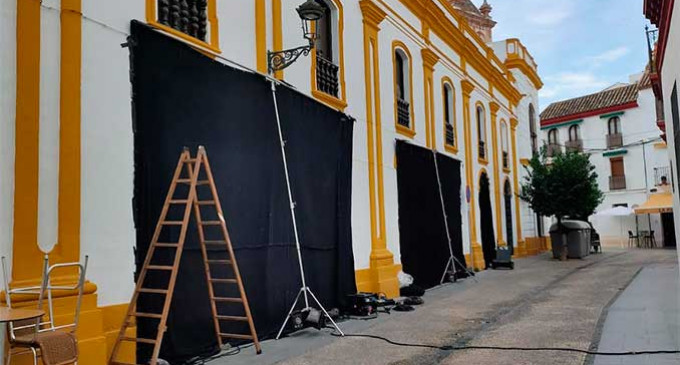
[(19, 314)]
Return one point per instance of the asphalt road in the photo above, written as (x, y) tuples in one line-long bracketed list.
[(542, 303)]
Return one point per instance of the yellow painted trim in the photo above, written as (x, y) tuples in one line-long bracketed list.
[(660, 145), (214, 43), (482, 160), (26, 254), (494, 107), (68, 240), (515, 176), (503, 123), (448, 147), (524, 161), (430, 59), (261, 35), (411, 131), (337, 103), (467, 88), (277, 30)]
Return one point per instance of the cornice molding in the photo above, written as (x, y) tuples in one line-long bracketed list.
[(467, 87), (372, 13), (429, 58), (513, 124), (526, 70), (494, 107)]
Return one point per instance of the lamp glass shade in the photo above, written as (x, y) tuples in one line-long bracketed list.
[(310, 10)]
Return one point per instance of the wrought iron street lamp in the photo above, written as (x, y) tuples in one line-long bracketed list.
[(309, 13)]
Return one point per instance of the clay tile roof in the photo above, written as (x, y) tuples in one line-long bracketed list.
[(603, 99), (645, 81), (466, 6)]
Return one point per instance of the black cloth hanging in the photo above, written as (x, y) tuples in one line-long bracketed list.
[(486, 221)]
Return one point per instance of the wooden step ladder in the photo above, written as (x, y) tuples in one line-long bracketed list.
[(193, 168)]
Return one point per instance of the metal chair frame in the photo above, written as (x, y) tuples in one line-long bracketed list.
[(45, 288)]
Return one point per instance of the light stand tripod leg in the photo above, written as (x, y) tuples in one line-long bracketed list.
[(292, 308), (326, 313), (446, 270)]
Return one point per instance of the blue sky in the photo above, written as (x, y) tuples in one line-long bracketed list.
[(581, 46)]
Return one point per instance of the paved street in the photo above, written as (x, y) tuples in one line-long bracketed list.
[(542, 303)]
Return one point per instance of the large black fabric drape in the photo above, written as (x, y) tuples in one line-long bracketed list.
[(183, 98), (486, 221), (424, 245)]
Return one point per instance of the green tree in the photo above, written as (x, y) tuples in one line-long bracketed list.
[(564, 186)]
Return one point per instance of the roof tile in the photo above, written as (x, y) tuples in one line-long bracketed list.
[(603, 99)]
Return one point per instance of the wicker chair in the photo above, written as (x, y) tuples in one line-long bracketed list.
[(55, 345)]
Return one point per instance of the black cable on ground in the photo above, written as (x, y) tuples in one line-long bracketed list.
[(504, 348)]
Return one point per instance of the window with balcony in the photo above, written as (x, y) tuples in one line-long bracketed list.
[(504, 146), (449, 124), (574, 144), (481, 131), (532, 129), (327, 78), (553, 142), (402, 90), (614, 138), (617, 180), (194, 21)]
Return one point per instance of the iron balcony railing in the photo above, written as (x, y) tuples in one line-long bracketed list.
[(553, 149), (450, 137), (482, 150), (506, 160), (574, 146), (403, 113), (660, 172), (187, 16), (614, 140), (617, 182), (326, 76)]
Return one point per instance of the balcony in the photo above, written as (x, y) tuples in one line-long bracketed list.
[(660, 172), (574, 146), (450, 136), (614, 140), (506, 160), (189, 17), (617, 182), (515, 50), (326, 76), (482, 150), (403, 113), (554, 149)]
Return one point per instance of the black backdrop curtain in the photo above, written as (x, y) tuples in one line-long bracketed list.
[(486, 221), (182, 98), (423, 243)]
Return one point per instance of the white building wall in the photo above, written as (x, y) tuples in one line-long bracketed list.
[(670, 77), (7, 123)]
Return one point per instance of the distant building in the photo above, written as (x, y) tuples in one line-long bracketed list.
[(617, 127)]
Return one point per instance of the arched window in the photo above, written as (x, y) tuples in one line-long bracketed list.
[(552, 137), (614, 125), (532, 128), (327, 60), (574, 133), (504, 145), (402, 89), (614, 138), (449, 129), (481, 131)]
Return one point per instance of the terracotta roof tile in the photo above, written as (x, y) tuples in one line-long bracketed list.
[(603, 99)]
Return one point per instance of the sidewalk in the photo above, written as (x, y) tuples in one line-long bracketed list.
[(645, 317)]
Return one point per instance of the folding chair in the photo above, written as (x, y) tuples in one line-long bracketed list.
[(55, 345)]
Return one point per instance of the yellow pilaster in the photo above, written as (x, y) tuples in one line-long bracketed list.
[(429, 60), (494, 107), (382, 273), (521, 244), (277, 29), (261, 35), (475, 247)]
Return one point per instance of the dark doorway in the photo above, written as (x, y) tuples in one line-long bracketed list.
[(668, 230), (486, 221), (508, 216)]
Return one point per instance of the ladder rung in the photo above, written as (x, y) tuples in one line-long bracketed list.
[(146, 315), (215, 242), (188, 182), (202, 182), (228, 300), (166, 245), (159, 267), (233, 318), (234, 335), (206, 202), (224, 281), (211, 223), (153, 291), (184, 181), (172, 223), (222, 262), (140, 340), (190, 160), (179, 201)]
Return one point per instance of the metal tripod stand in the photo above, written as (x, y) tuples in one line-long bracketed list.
[(452, 258), (305, 291)]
